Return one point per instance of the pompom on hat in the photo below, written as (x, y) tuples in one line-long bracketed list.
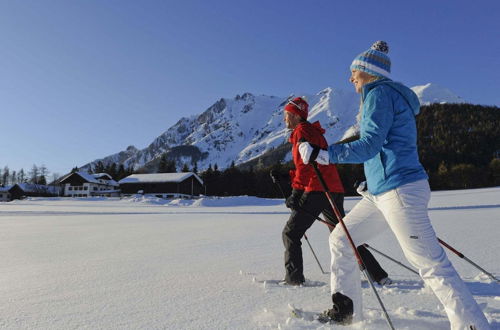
[(374, 61), (298, 106)]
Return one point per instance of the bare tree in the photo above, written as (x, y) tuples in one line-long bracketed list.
[(13, 177), (56, 176), (5, 176), (21, 176)]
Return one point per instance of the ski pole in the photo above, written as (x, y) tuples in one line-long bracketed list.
[(305, 236), (276, 181), (314, 254), (331, 226), (351, 242), (392, 259), (461, 255)]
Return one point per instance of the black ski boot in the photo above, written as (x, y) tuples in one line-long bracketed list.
[(294, 282), (342, 310)]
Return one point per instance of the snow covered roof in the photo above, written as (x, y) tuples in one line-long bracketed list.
[(5, 189), (94, 178), (88, 177), (106, 176), (31, 187), (159, 177)]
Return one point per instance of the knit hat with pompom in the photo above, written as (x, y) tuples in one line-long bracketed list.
[(374, 61)]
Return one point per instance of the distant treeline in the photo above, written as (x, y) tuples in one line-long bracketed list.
[(116, 171), (459, 146), (37, 175)]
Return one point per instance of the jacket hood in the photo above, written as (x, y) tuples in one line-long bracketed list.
[(316, 125), (405, 92), (306, 126)]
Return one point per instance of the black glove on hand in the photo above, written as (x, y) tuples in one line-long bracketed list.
[(293, 201)]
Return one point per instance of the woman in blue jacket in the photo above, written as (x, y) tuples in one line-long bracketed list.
[(397, 195)]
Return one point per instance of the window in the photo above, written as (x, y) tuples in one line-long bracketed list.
[(70, 188), (86, 188)]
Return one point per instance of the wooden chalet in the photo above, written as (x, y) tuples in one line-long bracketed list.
[(23, 190), (4, 194), (164, 185), (83, 184)]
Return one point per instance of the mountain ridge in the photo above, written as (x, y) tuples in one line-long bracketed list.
[(247, 126)]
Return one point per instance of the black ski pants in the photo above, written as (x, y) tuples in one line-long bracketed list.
[(311, 205)]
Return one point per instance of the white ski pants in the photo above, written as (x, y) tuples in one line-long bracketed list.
[(404, 209)]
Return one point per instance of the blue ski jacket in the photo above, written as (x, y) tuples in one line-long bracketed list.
[(388, 137)]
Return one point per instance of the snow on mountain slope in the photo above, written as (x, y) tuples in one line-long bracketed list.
[(433, 93), (247, 126)]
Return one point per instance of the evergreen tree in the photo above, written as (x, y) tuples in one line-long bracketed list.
[(112, 170), (42, 180), (43, 172), (163, 166), (172, 166), (129, 171), (185, 168), (121, 173), (166, 165), (494, 168), (34, 174)]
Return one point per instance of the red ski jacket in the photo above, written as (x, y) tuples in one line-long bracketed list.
[(304, 177)]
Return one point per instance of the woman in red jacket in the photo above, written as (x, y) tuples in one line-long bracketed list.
[(308, 199)]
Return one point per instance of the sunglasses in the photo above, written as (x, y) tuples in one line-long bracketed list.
[(295, 104)]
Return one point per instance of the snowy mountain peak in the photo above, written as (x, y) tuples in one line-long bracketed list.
[(433, 93), (245, 127)]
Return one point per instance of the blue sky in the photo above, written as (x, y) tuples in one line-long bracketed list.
[(80, 80)]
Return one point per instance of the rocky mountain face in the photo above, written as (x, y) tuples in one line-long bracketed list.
[(243, 128)]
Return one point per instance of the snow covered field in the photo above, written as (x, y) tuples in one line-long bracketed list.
[(211, 264)]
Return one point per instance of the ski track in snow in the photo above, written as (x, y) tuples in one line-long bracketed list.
[(213, 263)]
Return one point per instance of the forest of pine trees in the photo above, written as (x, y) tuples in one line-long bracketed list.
[(116, 171), (459, 146)]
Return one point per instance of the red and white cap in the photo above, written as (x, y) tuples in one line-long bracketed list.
[(298, 106)]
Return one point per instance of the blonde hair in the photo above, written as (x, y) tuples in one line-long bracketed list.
[(360, 111)]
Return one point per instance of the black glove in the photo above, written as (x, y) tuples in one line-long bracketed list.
[(293, 201)]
